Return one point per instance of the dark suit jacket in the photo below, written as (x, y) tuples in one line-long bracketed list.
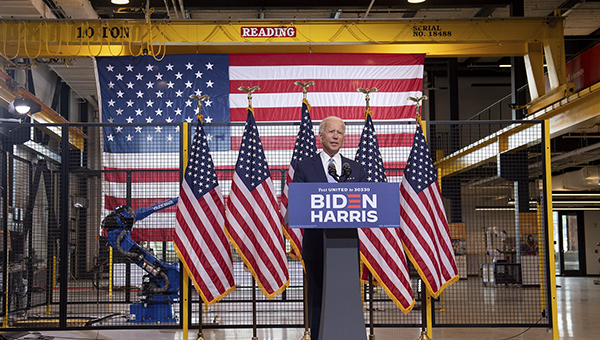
[(311, 170)]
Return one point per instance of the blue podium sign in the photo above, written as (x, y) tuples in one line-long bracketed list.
[(344, 205)]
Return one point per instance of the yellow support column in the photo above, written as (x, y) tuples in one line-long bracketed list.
[(185, 277), (550, 224), (185, 309), (110, 271), (540, 232), (429, 315)]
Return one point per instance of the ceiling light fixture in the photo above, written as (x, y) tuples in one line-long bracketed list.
[(415, 1), (20, 107), (120, 2)]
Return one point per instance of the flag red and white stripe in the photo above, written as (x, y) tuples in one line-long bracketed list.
[(336, 77), (200, 240), (424, 227), (253, 223), (381, 251)]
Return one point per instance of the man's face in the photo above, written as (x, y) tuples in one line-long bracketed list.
[(332, 136)]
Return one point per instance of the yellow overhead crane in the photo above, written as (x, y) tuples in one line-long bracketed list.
[(436, 38), (535, 39)]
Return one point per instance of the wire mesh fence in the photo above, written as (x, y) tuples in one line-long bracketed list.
[(491, 187), (494, 191)]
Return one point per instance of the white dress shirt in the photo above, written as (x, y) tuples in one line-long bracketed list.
[(337, 160)]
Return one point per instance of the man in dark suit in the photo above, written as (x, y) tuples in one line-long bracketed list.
[(315, 169)]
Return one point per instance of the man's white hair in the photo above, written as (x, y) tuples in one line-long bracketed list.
[(326, 119)]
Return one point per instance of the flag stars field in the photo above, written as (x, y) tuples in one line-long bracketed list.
[(163, 101)]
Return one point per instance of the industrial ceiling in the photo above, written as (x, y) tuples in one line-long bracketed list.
[(582, 27)]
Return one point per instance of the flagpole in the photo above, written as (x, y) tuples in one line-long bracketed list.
[(371, 291), (201, 121), (426, 308), (249, 91), (306, 335), (424, 312), (254, 331)]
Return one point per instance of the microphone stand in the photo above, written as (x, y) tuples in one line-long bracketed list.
[(344, 177), (333, 173), (347, 172)]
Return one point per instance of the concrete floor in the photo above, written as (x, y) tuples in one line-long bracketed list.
[(578, 301)]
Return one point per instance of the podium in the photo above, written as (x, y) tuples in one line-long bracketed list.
[(337, 210), (342, 311)]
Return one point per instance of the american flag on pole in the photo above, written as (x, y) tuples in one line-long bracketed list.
[(305, 147), (423, 220), (381, 248), (142, 161), (253, 223), (200, 239)]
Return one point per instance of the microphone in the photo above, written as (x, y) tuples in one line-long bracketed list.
[(347, 171), (333, 172)]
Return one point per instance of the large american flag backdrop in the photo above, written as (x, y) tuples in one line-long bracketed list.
[(143, 161)]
